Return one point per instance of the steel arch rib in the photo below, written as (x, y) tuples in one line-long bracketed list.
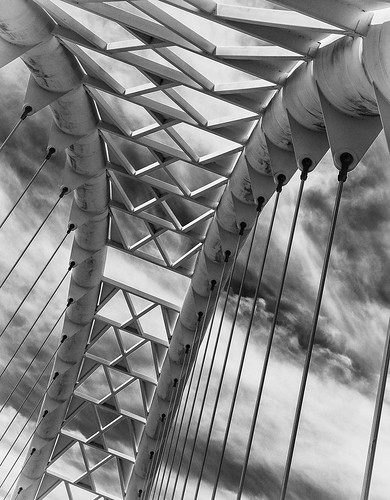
[(317, 99)]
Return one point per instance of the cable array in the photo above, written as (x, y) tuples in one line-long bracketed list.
[(50, 153), (30, 290), (37, 380), (175, 424), (183, 411), (342, 177), (44, 413), (62, 194), (38, 404), (274, 322), (43, 343), (239, 373), (171, 417), (208, 339), (224, 308)]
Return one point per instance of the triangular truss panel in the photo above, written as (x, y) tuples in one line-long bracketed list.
[(101, 432)]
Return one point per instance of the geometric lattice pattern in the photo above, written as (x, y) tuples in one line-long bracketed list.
[(105, 419), (177, 105), (178, 87), (173, 127)]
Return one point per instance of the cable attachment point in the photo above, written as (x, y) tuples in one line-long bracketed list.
[(151, 455), (26, 111), (163, 415), (33, 450), (139, 493), (64, 337), (242, 228), (175, 381), (306, 163), (227, 255), (55, 375), (212, 285), (45, 413), (63, 192), (50, 153), (281, 180), (72, 264), (200, 315), (346, 160), (71, 228), (260, 203), (188, 347), (20, 490), (70, 301)]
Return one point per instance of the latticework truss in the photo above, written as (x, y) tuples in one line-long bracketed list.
[(158, 105), (115, 388)]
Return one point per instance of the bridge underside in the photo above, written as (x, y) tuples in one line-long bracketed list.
[(173, 123)]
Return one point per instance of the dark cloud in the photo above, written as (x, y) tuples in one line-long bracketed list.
[(357, 275)]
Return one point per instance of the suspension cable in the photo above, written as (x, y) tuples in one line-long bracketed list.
[(150, 476), (157, 455), (203, 365), (342, 177), (19, 456), (39, 378), (172, 415), (201, 333), (26, 423), (227, 352), (238, 378), (47, 158), (23, 116), (167, 425), (255, 413), (215, 307), (152, 459), (151, 456), (63, 192), (171, 429), (190, 364), (213, 360), (44, 342), (45, 412), (197, 342), (30, 290)]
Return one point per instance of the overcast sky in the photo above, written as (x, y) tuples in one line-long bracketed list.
[(333, 436)]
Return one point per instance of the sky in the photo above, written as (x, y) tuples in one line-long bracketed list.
[(19, 161), (332, 442), (333, 436)]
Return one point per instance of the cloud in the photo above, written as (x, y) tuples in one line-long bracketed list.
[(19, 160), (332, 440), (333, 435), (15, 458), (356, 294)]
